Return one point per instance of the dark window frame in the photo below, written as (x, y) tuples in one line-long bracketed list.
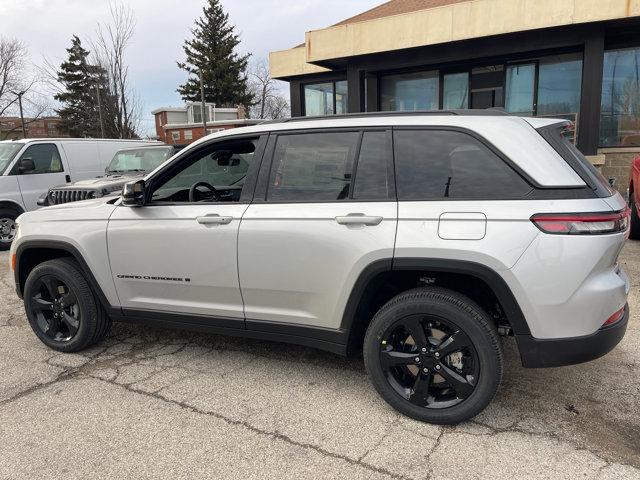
[(264, 175)]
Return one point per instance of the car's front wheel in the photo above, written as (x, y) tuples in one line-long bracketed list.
[(7, 227), (61, 308), (434, 355)]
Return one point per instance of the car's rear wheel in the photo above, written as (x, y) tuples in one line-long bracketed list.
[(434, 355), (61, 308), (634, 229), (7, 227)]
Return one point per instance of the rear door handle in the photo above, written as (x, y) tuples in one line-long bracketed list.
[(214, 219), (359, 219)]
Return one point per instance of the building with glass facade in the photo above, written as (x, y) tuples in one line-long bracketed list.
[(576, 59)]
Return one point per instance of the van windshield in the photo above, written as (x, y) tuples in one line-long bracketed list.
[(138, 159), (7, 152)]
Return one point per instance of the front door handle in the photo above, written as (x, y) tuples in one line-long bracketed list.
[(214, 219), (359, 219)]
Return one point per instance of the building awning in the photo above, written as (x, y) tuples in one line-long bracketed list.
[(363, 35)]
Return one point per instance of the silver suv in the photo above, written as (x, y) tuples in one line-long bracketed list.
[(417, 240)]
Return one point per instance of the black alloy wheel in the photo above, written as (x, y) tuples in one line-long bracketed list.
[(434, 355), (61, 307), (56, 308), (429, 361)]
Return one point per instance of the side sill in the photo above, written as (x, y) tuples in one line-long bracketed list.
[(235, 327)]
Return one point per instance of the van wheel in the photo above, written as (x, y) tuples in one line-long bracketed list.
[(7, 227), (434, 355), (634, 229), (61, 308)]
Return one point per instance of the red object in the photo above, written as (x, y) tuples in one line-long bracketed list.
[(634, 182), (582, 223), (615, 318)]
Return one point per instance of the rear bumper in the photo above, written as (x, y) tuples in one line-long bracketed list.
[(537, 353)]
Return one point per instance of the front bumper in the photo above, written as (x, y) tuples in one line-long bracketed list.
[(537, 353)]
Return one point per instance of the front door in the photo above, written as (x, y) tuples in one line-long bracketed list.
[(178, 252), (320, 221), (48, 171)]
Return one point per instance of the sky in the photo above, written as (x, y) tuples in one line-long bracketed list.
[(46, 27)]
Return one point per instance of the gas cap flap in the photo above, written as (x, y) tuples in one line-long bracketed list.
[(462, 226)]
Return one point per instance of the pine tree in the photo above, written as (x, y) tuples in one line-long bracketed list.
[(212, 50), (82, 83)]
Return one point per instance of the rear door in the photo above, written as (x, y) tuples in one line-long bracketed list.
[(49, 171), (324, 210)]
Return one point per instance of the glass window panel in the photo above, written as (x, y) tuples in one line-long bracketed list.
[(197, 113), (455, 91), (45, 157), (559, 86), (520, 81), (312, 167), (620, 113), (372, 173), (342, 97), (444, 164), (410, 91), (318, 99)]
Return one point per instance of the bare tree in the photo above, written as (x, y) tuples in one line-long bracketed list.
[(270, 102), (122, 105)]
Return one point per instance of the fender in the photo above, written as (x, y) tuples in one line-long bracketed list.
[(487, 275), (71, 251), (13, 205)]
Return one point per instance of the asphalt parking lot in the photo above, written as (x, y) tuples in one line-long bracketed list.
[(167, 404)]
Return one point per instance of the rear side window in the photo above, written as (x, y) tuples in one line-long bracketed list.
[(438, 164), (373, 177), (312, 167)]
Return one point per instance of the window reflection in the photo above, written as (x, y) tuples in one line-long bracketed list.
[(410, 92)]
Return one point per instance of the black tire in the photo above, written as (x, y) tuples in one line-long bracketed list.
[(634, 228), (7, 227), (450, 310), (91, 322)]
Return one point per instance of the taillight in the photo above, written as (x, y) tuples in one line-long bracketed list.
[(614, 318), (582, 223)]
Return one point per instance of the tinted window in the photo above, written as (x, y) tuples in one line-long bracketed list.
[(312, 167), (434, 164), (46, 159), (373, 179), (223, 166)]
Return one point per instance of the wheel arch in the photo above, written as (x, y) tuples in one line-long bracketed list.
[(29, 254), (12, 205), (382, 280)]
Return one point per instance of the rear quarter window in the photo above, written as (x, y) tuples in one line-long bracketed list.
[(441, 164)]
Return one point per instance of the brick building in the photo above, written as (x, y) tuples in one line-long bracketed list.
[(11, 127), (574, 59), (184, 124)]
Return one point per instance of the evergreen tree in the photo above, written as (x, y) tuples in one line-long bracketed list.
[(83, 85), (212, 50)]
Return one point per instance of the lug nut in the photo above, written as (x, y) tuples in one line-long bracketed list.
[(417, 359), (424, 350), (425, 370), (437, 355), (437, 367)]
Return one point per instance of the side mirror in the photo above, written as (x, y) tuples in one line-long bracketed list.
[(133, 194), (26, 165)]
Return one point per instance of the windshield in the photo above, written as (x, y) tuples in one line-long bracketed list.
[(7, 152), (138, 160)]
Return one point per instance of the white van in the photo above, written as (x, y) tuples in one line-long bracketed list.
[(28, 167)]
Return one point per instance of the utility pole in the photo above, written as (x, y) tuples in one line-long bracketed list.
[(99, 111), (204, 113), (19, 95)]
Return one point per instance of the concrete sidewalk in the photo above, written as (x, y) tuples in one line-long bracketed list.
[(151, 403)]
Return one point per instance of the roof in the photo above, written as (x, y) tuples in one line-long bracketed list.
[(67, 139), (397, 7)]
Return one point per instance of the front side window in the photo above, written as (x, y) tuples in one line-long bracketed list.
[(620, 104), (326, 98), (7, 152), (434, 164), (410, 91), (45, 158), (312, 167), (211, 174)]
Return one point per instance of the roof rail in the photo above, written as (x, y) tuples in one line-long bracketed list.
[(418, 113)]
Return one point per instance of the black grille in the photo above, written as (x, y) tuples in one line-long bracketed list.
[(56, 197)]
